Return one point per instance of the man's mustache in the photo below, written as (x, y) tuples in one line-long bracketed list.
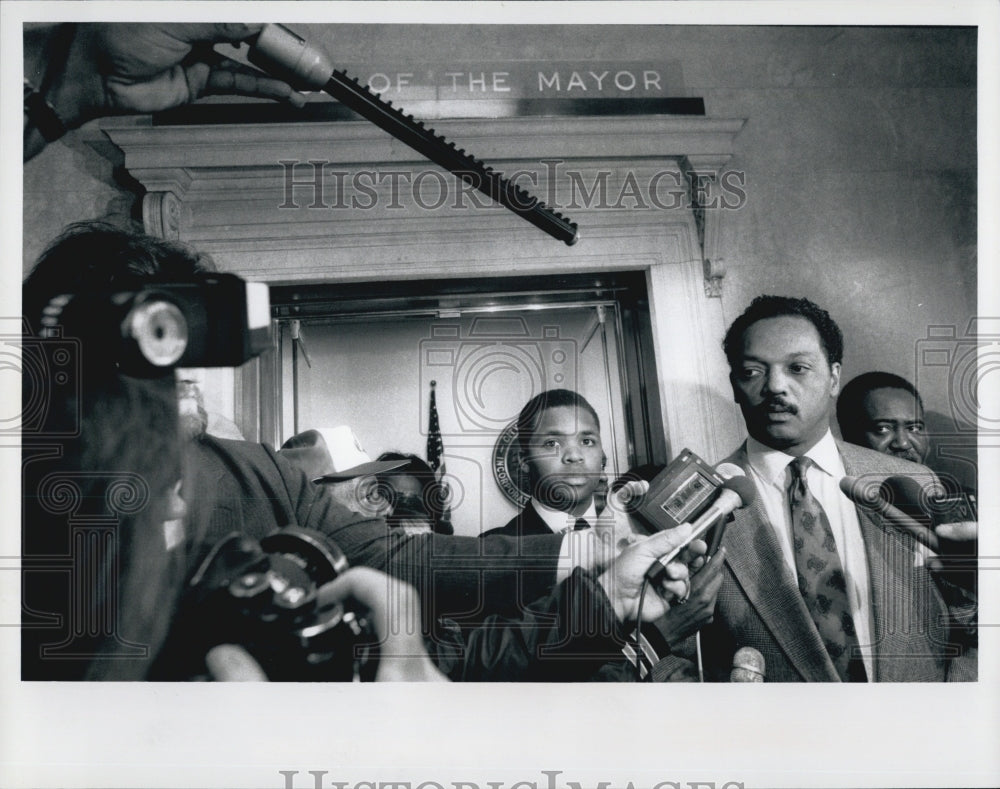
[(777, 405)]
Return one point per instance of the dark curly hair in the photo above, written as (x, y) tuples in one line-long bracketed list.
[(764, 307), (97, 256), (112, 451)]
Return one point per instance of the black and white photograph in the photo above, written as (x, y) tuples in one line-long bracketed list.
[(467, 395)]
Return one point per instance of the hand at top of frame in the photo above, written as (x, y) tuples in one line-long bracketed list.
[(90, 70)]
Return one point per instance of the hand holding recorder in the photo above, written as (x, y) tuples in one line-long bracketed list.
[(623, 580)]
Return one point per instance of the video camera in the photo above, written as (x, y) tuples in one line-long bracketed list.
[(212, 320), (264, 597)]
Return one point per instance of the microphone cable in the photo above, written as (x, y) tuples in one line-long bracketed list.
[(637, 636)]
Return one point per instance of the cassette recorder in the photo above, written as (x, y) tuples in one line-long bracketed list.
[(680, 493)]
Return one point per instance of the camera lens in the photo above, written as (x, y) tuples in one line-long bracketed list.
[(160, 331)]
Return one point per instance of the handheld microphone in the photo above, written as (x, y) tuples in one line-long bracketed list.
[(726, 471), (867, 494), (729, 470), (748, 666), (735, 493), (925, 498)]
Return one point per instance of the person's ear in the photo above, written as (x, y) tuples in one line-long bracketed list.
[(835, 376)]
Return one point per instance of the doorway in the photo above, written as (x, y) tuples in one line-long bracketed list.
[(367, 355)]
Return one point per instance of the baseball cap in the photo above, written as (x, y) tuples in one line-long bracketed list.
[(333, 454)]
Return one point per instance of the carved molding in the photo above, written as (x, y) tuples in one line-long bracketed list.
[(151, 148), (161, 215), (712, 193), (234, 194), (714, 271)]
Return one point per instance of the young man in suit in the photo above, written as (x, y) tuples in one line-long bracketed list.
[(559, 434), (824, 590)]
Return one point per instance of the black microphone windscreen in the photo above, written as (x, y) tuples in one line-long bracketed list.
[(908, 495), (919, 489), (921, 496), (742, 487), (861, 490)]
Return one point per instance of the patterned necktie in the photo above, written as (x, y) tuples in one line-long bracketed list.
[(821, 577)]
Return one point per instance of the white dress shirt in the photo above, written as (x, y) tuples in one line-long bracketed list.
[(576, 549), (770, 473), (560, 521)]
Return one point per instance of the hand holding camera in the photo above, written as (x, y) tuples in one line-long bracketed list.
[(378, 598), (383, 600)]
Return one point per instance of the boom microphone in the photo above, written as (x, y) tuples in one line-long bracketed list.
[(868, 495), (734, 494), (748, 666), (284, 54)]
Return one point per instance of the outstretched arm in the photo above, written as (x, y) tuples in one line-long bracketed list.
[(570, 634)]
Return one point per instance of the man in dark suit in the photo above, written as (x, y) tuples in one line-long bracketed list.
[(559, 434), (824, 590)]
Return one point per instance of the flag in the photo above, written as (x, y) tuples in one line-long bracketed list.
[(435, 459)]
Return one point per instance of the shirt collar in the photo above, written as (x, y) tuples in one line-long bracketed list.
[(557, 520), (770, 464)]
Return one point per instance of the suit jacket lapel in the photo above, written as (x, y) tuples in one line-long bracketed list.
[(755, 558), (888, 588), (884, 588), (531, 523)]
